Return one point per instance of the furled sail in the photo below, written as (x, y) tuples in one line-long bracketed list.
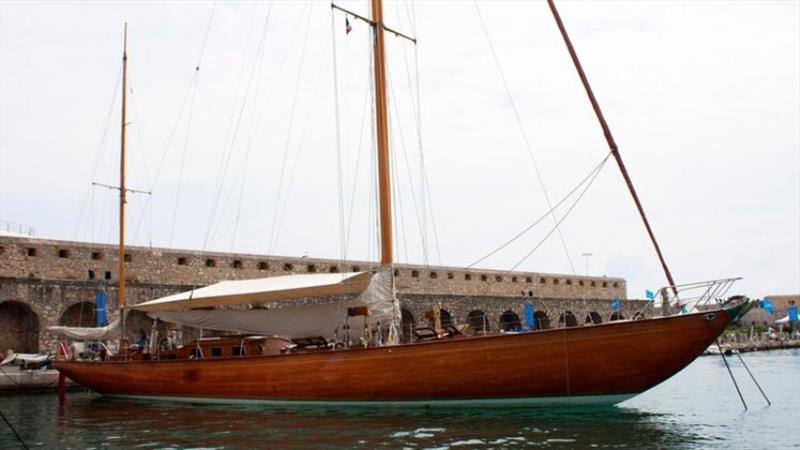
[(326, 321), (261, 290), (374, 291), (109, 331)]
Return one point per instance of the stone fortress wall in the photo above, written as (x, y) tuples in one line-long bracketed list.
[(48, 282)]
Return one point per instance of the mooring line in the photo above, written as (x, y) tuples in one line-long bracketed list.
[(769, 403), (13, 430), (721, 353)]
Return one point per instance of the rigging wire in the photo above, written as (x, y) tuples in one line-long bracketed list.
[(205, 37), (137, 120), (143, 156), (524, 134), (275, 224), (415, 103), (340, 189), (255, 123), (227, 156), (189, 91), (357, 169), (425, 190), (374, 237), (588, 178), (408, 166), (11, 427), (166, 150), (195, 82), (555, 227), (301, 142), (236, 92), (98, 155)]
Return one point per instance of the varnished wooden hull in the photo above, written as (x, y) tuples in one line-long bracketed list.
[(599, 363)]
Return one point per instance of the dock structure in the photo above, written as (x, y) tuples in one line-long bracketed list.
[(50, 282)]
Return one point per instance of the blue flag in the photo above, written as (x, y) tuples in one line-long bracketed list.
[(650, 294), (528, 312), (616, 304), (792, 311), (767, 305), (100, 314)]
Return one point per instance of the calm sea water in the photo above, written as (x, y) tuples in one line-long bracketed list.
[(696, 409)]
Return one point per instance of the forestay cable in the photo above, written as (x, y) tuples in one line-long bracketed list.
[(275, 223), (524, 134), (555, 227), (227, 156), (590, 176)]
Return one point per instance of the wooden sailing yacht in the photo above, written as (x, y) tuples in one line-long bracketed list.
[(282, 358)]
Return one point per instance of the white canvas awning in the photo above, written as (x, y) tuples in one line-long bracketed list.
[(86, 333), (303, 320), (261, 290)]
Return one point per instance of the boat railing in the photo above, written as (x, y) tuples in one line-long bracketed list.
[(690, 297)]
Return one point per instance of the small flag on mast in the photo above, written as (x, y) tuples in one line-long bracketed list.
[(347, 27)]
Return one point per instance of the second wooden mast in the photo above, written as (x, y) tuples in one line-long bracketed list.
[(382, 135)]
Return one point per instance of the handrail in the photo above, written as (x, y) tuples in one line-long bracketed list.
[(693, 296)]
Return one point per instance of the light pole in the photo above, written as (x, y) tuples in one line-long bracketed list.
[(586, 256)]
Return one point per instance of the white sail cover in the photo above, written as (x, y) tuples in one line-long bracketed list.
[(325, 320), (109, 331), (260, 290)]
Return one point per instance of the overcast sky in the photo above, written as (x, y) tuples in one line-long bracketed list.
[(702, 97)]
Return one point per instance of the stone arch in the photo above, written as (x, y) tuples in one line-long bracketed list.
[(80, 314), (19, 327), (509, 321), (136, 320), (540, 320), (594, 318), (617, 316), (567, 319), (446, 317), (638, 315), (478, 320), (408, 326)]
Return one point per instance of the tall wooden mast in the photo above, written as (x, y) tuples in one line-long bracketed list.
[(382, 131), (122, 190)]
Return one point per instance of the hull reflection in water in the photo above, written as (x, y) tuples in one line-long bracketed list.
[(597, 364)]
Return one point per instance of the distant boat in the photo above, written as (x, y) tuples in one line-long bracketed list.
[(724, 349), (346, 350), (27, 371)]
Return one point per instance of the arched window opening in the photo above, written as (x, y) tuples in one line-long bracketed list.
[(594, 318), (446, 317), (567, 319), (19, 327), (540, 320), (80, 314), (478, 321), (617, 316), (408, 326), (509, 321)]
